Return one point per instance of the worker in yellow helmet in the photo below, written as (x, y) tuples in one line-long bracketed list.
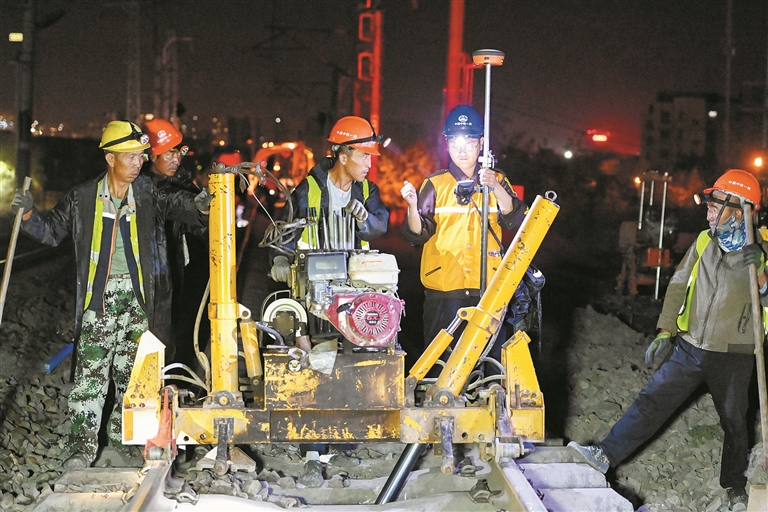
[(338, 185), (115, 222)]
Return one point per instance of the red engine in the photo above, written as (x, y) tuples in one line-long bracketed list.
[(368, 319)]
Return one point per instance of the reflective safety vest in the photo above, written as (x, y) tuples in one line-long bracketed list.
[(314, 197), (684, 317)]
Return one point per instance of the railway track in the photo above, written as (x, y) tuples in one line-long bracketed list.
[(547, 480)]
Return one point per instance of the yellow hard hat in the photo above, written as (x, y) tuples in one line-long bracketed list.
[(123, 137)]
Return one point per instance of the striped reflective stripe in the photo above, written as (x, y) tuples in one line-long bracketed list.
[(462, 209), (98, 224), (134, 229), (313, 201)]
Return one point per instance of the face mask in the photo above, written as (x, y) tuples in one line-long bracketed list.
[(731, 234)]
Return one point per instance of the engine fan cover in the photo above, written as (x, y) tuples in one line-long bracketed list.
[(367, 319)]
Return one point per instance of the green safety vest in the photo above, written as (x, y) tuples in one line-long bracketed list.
[(683, 318), (313, 201)]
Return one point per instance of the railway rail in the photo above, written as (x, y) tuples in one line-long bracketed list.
[(549, 479)]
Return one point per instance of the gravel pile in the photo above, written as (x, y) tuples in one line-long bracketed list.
[(678, 470)]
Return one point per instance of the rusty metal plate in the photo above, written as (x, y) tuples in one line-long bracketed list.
[(335, 426), (359, 381)]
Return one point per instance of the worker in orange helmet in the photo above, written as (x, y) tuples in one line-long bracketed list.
[(164, 167), (704, 313), (337, 186)]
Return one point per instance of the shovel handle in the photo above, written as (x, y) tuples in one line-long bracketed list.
[(12, 249), (757, 322)]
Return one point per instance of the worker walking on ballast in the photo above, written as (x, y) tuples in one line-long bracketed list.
[(707, 310)]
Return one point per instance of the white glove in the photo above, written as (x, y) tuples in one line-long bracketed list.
[(357, 210), (281, 269)]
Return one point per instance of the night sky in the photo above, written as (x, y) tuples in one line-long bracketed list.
[(570, 65)]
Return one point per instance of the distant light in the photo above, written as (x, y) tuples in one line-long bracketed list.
[(291, 145), (149, 116), (265, 144), (183, 127), (194, 118), (271, 144), (277, 119), (758, 161), (271, 191), (712, 114), (215, 119), (16, 37), (221, 142), (599, 137), (276, 167), (249, 141), (3, 124), (568, 154), (637, 180)]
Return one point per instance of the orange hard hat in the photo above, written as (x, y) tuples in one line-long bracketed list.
[(740, 183), (355, 132), (163, 136)]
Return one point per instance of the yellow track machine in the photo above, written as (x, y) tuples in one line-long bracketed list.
[(325, 366)]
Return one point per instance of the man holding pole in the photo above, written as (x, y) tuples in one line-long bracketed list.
[(708, 309), (445, 218)]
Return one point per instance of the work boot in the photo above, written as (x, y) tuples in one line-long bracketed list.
[(737, 496), (77, 461), (593, 455)]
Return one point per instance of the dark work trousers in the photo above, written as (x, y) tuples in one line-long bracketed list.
[(727, 377), (440, 309)]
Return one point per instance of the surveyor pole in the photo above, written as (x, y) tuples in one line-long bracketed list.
[(486, 58), (757, 323)]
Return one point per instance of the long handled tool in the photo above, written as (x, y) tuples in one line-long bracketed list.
[(757, 323), (12, 250), (486, 58)]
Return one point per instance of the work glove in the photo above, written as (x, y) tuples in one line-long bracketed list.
[(22, 201), (753, 255), (657, 346), (281, 269), (357, 210), (203, 201)]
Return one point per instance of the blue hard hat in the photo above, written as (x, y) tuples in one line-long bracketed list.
[(463, 120)]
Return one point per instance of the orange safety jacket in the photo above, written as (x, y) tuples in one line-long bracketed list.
[(451, 232)]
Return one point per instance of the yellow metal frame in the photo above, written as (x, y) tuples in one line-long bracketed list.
[(366, 400)]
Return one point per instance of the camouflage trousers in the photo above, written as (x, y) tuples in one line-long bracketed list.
[(106, 350)]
